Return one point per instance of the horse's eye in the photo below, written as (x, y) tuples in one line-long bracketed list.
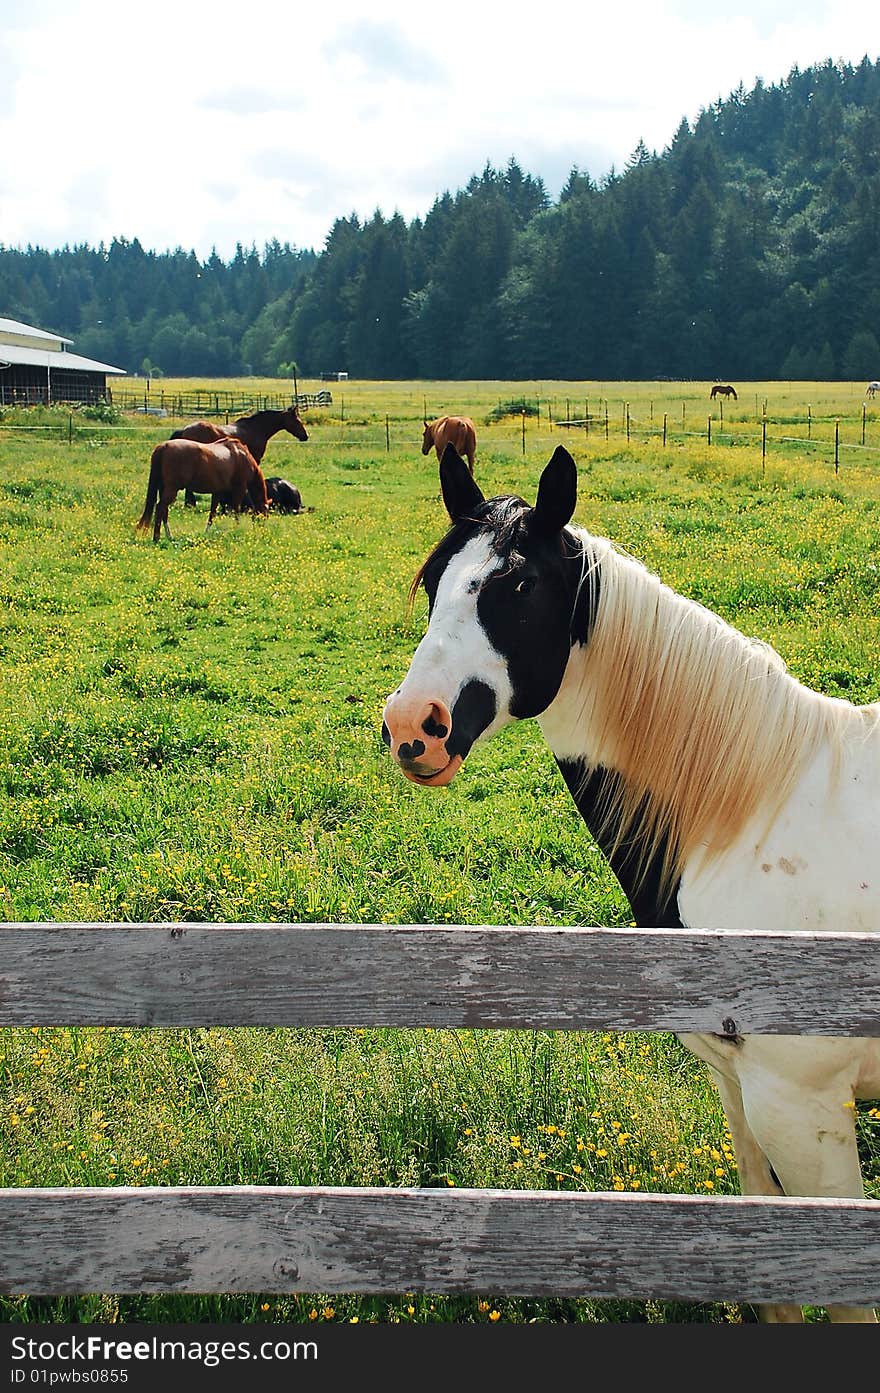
[(524, 586)]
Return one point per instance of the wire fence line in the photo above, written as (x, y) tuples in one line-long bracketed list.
[(379, 433)]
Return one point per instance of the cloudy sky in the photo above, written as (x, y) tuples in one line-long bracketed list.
[(203, 125)]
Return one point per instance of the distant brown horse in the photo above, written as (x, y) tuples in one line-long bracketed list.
[(456, 430), (225, 469), (256, 431), (723, 389)]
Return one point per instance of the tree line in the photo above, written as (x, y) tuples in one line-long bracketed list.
[(747, 248)]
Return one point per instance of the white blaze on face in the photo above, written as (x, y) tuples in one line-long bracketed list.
[(455, 649)]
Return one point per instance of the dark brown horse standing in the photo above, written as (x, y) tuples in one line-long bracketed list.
[(451, 430), (723, 389), (223, 468), (256, 431)]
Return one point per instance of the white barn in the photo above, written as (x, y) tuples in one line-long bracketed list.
[(36, 366)]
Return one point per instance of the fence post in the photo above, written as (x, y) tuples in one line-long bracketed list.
[(587, 416), (763, 444), (809, 422), (387, 435), (863, 422), (664, 428), (606, 418), (836, 443), (70, 429), (627, 423), (524, 430), (709, 431)]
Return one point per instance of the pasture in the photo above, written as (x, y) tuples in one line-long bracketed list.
[(191, 732)]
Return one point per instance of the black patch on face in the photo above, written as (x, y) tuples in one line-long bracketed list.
[(542, 599), (474, 709), (650, 909)]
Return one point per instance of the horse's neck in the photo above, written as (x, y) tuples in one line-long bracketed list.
[(701, 726)]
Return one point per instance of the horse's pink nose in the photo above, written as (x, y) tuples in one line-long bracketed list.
[(416, 733)]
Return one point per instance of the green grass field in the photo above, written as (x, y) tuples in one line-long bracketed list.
[(192, 731)]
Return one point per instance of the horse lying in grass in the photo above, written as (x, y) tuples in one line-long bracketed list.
[(225, 468), (724, 794)]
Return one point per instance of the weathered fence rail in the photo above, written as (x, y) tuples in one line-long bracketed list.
[(325, 1239)]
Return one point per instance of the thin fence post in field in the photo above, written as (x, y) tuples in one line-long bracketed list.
[(387, 434), (836, 444), (524, 430), (587, 416), (627, 422), (721, 410), (550, 416), (652, 413), (864, 409), (567, 409), (763, 445), (682, 415), (709, 430), (809, 422), (70, 429), (664, 427)]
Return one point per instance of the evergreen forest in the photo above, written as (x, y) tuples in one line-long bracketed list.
[(747, 248)]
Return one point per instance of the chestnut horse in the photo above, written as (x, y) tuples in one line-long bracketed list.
[(723, 389), (256, 431), (451, 430), (224, 468)]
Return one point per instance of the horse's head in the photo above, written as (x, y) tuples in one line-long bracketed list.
[(293, 423), (255, 491), (505, 605), (428, 437)]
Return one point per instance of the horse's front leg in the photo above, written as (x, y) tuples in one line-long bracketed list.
[(755, 1178)]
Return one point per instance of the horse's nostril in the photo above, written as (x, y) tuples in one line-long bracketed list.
[(434, 728), (386, 734), (408, 751)]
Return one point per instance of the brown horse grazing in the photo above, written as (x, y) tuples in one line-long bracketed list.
[(256, 431), (456, 430), (224, 468), (723, 389)]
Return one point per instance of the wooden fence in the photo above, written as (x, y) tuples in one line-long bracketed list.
[(205, 404), (522, 1243)]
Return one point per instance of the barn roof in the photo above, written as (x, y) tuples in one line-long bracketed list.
[(14, 353), (14, 326)]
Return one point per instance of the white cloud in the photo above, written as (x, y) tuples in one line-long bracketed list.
[(186, 126)]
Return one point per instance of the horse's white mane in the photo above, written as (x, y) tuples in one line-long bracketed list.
[(707, 726)]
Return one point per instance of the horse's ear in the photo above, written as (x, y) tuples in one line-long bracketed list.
[(460, 494), (557, 492)]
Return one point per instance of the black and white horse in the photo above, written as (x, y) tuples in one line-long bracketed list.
[(723, 792)]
